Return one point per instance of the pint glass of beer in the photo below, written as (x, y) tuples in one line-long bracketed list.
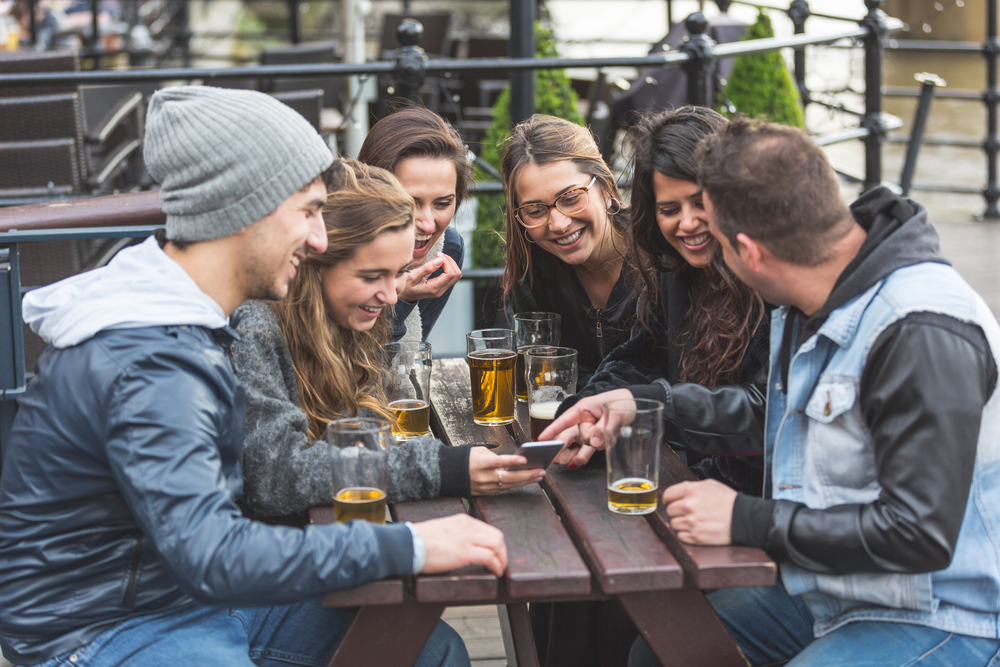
[(551, 377), (360, 464), (491, 354), (532, 328), (635, 428), (408, 388)]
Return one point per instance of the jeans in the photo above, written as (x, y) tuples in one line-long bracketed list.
[(304, 633), (775, 628)]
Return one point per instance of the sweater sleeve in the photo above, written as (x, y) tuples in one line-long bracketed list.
[(284, 472)]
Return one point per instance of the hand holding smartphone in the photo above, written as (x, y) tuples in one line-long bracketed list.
[(539, 454)]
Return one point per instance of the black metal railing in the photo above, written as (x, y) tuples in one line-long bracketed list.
[(409, 68)]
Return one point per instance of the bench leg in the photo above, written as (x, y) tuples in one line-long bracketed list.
[(388, 636), (682, 629), (518, 640)]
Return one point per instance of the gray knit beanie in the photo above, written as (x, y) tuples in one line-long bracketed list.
[(226, 158)]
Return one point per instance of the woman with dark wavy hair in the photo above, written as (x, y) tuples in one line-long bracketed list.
[(702, 346)]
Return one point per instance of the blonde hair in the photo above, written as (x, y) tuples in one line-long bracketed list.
[(338, 371)]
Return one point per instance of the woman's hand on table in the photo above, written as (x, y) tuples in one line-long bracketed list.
[(459, 540), (488, 472), (582, 428), (419, 284)]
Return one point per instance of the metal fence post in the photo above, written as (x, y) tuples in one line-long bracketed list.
[(699, 46), (928, 83), (798, 12), (991, 49), (872, 120), (294, 22), (522, 45), (411, 61)]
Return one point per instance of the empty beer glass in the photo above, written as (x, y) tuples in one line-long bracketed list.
[(532, 328), (360, 464), (633, 434), (491, 354), (408, 390), (551, 375)]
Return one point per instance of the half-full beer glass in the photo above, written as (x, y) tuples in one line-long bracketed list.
[(532, 328), (360, 464), (635, 428), (491, 354), (551, 374), (408, 389)]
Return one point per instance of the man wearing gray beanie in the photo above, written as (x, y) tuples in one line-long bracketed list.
[(122, 543)]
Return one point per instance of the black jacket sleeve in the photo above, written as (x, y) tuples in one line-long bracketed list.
[(922, 394)]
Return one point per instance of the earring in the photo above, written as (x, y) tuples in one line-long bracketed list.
[(527, 237), (617, 208)]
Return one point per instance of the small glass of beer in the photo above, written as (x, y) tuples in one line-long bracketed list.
[(532, 328), (491, 354), (551, 377), (408, 390), (635, 429), (360, 465)]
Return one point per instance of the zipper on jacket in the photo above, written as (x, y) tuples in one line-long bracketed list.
[(136, 557), (600, 331)]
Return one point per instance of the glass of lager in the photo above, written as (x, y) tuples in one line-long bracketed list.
[(532, 328), (360, 465), (491, 354), (634, 431), (551, 376), (408, 390)]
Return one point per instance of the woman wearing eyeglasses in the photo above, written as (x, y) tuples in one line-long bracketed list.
[(566, 243)]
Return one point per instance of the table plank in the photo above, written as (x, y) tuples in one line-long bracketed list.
[(624, 552), (708, 567), (451, 399), (682, 629), (541, 558)]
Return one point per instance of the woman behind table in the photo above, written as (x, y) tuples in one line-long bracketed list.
[(566, 241), (428, 157), (702, 334), (316, 356)]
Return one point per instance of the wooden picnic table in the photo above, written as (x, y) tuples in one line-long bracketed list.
[(563, 544)]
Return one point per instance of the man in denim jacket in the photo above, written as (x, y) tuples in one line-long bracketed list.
[(883, 423)]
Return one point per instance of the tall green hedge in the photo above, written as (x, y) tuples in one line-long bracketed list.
[(553, 96), (760, 85)]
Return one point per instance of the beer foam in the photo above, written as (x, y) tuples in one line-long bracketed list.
[(543, 410)]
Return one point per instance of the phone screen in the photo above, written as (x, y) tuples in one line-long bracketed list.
[(539, 454)]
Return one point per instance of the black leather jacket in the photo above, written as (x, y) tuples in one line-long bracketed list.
[(725, 423), (117, 497)]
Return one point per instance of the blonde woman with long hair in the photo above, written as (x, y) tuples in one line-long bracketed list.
[(316, 356)]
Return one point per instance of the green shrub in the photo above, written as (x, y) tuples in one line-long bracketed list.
[(553, 96), (760, 85)]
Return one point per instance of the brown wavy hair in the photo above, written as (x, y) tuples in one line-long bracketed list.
[(418, 132), (724, 313), (339, 371), (541, 140)]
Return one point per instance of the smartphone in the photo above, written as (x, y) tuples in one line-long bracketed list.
[(539, 454)]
